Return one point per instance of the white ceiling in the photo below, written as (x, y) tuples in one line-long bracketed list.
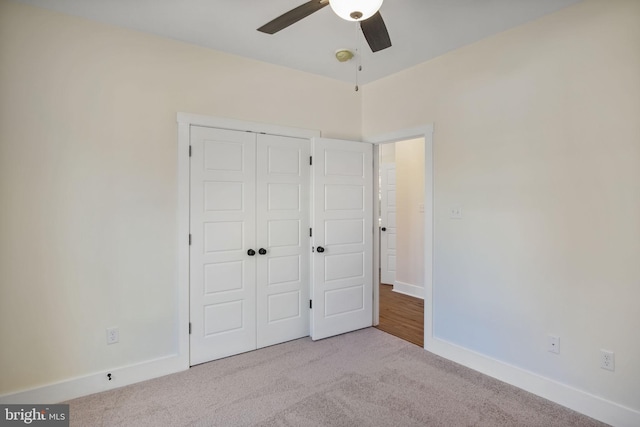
[(420, 29)]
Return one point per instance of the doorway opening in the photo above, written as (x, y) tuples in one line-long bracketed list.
[(401, 211)]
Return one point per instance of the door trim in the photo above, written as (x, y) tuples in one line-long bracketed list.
[(426, 132), (185, 121)]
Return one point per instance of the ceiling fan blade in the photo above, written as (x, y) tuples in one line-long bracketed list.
[(376, 32), (293, 16)]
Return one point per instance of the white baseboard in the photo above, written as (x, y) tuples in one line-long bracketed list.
[(408, 289), (95, 383), (562, 394)]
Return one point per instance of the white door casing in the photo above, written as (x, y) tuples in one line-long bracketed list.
[(283, 176), (388, 223), (342, 288), (223, 218)]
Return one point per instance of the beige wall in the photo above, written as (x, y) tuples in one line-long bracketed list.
[(88, 186), (537, 139), (387, 153), (410, 226)]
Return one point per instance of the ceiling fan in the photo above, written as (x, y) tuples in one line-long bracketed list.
[(363, 11)]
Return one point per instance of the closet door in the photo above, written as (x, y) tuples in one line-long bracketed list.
[(282, 239), (342, 236), (223, 219)]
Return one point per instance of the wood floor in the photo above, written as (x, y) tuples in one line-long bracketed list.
[(401, 315)]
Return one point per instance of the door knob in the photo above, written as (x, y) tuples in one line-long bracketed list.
[(320, 249), (262, 251), (251, 252), (384, 229)]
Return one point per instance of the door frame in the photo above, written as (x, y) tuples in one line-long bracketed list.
[(185, 121), (425, 132)]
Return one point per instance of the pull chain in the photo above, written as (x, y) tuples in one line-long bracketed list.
[(358, 61), (358, 69)]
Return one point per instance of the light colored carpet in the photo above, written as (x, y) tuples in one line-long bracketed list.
[(364, 378)]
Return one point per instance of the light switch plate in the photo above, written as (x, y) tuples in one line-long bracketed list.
[(553, 344), (455, 213)]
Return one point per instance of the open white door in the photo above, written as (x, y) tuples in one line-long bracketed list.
[(388, 223), (342, 288)]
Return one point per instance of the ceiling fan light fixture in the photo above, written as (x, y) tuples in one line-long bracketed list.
[(355, 10)]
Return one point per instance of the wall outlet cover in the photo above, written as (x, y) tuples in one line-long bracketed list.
[(113, 335), (553, 344), (607, 360)]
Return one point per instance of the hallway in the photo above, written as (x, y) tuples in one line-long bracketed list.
[(401, 315)]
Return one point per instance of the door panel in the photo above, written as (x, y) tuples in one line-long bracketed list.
[(283, 175), (222, 275), (344, 266), (344, 300), (342, 232), (388, 216), (342, 226)]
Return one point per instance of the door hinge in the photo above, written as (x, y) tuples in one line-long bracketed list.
[(311, 232), (189, 328), (311, 160), (189, 239), (189, 151), (310, 303)]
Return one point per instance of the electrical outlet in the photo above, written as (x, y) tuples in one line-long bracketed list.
[(607, 360), (113, 335), (553, 344), (455, 213)]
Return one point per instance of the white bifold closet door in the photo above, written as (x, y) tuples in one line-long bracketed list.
[(249, 253)]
